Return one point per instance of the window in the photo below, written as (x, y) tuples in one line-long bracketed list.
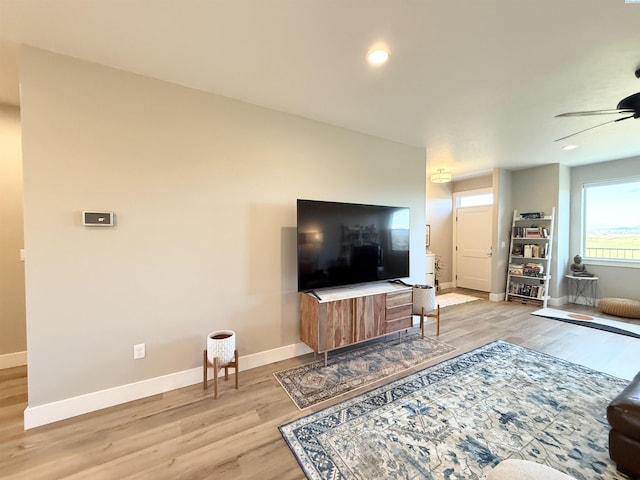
[(611, 224), (475, 200)]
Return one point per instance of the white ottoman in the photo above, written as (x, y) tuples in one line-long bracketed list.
[(512, 469)]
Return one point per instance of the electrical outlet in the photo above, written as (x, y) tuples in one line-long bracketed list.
[(139, 351)]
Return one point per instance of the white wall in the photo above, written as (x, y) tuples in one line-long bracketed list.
[(613, 281), (563, 231), (537, 189), (503, 220), (204, 191), (475, 183), (13, 342), (440, 219)]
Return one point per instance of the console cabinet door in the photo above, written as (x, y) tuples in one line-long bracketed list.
[(370, 317), (328, 325), (309, 321), (338, 324)]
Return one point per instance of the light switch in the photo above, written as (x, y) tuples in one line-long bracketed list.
[(139, 351)]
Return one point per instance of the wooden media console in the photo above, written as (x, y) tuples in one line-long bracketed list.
[(349, 315)]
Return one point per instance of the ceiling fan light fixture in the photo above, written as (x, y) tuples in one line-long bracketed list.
[(440, 176)]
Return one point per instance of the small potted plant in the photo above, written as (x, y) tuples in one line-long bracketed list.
[(438, 266)]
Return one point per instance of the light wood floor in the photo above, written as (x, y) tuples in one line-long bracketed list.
[(185, 434)]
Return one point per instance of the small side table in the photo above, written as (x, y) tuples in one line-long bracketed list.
[(582, 287)]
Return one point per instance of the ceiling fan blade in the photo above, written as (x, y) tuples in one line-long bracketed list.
[(595, 112), (595, 126)]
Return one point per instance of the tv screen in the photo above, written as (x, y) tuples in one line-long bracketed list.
[(347, 243)]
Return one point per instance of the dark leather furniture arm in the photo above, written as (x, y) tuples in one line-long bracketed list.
[(623, 414)]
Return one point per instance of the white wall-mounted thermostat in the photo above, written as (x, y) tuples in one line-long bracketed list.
[(97, 219)]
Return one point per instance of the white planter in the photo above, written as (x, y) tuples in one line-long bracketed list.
[(423, 296), (221, 344)]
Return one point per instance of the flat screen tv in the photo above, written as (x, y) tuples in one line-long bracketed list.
[(346, 243)]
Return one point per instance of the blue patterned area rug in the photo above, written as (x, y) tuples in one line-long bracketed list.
[(357, 367), (461, 417)]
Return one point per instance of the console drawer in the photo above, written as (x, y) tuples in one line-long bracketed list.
[(396, 299), (399, 324), (399, 312)]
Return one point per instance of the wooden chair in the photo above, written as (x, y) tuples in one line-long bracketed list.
[(207, 364)]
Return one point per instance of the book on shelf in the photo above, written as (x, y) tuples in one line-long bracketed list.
[(518, 232), (535, 251), (532, 269), (527, 290), (533, 232), (528, 251), (516, 269), (531, 215), (530, 232)]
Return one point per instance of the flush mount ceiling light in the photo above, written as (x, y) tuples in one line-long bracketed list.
[(440, 176), (378, 56), (569, 147)]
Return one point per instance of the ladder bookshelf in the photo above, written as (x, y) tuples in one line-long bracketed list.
[(530, 255)]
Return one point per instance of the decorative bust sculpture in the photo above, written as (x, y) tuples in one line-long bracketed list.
[(578, 269)]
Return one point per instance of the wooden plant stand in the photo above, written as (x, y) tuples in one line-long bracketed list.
[(207, 364), (435, 315)]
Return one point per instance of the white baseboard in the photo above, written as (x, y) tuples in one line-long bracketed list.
[(496, 297), (446, 285), (70, 407), (16, 359), (274, 355), (577, 301), (557, 301), (554, 301)]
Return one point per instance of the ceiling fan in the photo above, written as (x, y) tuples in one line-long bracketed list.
[(629, 107)]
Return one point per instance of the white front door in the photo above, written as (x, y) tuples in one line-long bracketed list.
[(473, 250)]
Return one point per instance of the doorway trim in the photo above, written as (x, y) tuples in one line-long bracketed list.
[(457, 196)]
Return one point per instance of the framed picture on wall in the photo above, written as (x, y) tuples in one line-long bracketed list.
[(427, 240)]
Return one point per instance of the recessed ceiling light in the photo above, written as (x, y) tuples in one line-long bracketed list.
[(569, 147), (377, 57)]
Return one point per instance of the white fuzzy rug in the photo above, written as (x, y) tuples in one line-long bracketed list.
[(449, 299), (624, 328)]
